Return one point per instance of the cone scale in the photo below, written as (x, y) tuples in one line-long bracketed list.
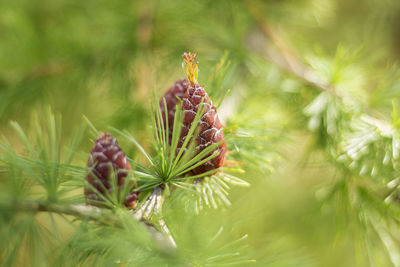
[(172, 97)]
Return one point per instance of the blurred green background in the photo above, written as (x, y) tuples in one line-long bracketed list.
[(103, 59)]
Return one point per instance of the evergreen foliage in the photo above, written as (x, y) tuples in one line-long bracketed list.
[(308, 92)]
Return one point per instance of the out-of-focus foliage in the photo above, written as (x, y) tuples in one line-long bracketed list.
[(323, 164)]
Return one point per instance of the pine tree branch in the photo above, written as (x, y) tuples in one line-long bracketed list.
[(81, 211), (102, 216), (364, 145), (151, 206)]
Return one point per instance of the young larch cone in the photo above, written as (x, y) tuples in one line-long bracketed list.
[(211, 131), (172, 96), (106, 159)]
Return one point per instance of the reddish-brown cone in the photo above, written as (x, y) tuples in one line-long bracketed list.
[(211, 131), (191, 93), (106, 159), (172, 96)]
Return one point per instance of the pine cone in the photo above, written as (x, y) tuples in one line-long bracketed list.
[(106, 159), (172, 96), (211, 131)]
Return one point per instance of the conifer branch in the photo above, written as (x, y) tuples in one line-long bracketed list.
[(151, 206), (367, 147), (81, 211), (92, 213)]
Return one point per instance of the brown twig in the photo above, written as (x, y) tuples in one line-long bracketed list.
[(102, 216)]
